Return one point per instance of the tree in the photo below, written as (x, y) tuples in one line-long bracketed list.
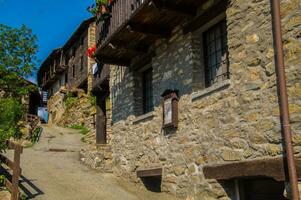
[(18, 50), (17, 61)]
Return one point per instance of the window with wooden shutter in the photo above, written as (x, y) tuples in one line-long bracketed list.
[(216, 54), (148, 91)]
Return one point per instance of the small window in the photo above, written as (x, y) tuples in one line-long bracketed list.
[(66, 59), (66, 78), (82, 41), (81, 63), (73, 51), (148, 91), (216, 54), (73, 71)]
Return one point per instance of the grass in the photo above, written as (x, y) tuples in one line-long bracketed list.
[(82, 129)]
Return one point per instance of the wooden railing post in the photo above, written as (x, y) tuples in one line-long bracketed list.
[(16, 172)]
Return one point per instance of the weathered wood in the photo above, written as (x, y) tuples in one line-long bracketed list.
[(142, 60), (269, 167), (101, 132), (114, 61), (179, 9), (160, 32), (13, 185), (8, 185), (205, 17), (149, 172), (6, 161)]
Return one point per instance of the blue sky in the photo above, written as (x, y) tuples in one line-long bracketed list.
[(53, 21)]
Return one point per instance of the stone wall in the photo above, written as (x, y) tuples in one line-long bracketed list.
[(56, 107), (235, 120)]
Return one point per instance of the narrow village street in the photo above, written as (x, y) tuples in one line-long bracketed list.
[(49, 174)]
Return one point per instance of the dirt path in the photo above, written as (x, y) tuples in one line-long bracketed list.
[(51, 175)]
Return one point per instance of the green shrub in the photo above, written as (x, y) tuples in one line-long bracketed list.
[(92, 100), (82, 129), (10, 114), (70, 100), (36, 134)]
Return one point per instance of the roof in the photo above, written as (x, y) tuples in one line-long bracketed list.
[(82, 27), (74, 37)]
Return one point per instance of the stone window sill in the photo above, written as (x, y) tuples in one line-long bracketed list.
[(214, 88), (144, 117)]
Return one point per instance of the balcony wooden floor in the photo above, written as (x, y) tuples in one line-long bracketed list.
[(132, 29)]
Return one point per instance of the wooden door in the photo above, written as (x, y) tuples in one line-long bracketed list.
[(101, 132)]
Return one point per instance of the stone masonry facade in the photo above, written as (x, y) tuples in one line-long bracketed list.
[(82, 111), (235, 120)]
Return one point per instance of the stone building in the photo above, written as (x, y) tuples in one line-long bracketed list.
[(66, 71), (193, 97)]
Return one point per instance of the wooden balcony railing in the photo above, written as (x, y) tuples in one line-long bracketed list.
[(121, 12)]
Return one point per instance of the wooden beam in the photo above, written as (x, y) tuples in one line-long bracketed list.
[(269, 167), (149, 172), (179, 9), (208, 15), (113, 61), (159, 32), (142, 60), (130, 46)]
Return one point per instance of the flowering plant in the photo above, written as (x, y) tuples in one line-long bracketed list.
[(91, 52), (102, 7)]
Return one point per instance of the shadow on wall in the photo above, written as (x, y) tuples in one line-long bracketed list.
[(152, 183)]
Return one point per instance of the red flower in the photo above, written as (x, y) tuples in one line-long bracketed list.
[(91, 52)]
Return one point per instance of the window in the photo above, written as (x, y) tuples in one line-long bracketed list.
[(81, 63), (73, 51), (82, 41), (259, 189), (66, 78), (73, 71), (67, 59), (148, 91), (216, 54)]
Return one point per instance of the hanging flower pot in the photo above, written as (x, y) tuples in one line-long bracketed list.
[(91, 52)]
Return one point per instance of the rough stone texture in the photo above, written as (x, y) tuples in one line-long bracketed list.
[(56, 107), (82, 112), (239, 122), (99, 158), (91, 61)]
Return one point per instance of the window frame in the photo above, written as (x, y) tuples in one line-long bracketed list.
[(73, 71), (147, 91), (220, 74)]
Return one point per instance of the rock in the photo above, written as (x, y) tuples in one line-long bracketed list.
[(231, 155), (252, 38), (179, 170)]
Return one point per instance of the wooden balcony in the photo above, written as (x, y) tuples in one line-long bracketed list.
[(125, 38), (100, 79)]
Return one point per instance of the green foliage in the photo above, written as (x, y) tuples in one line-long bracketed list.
[(101, 2), (2, 180), (92, 100), (70, 100), (82, 129), (36, 135), (17, 59), (10, 114)]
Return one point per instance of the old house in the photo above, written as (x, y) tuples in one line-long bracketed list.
[(193, 107), (67, 69)]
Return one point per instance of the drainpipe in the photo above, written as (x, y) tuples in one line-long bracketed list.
[(283, 105)]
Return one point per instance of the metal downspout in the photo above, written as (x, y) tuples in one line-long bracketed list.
[(283, 98)]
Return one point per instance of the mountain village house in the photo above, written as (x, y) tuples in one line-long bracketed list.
[(186, 95)]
